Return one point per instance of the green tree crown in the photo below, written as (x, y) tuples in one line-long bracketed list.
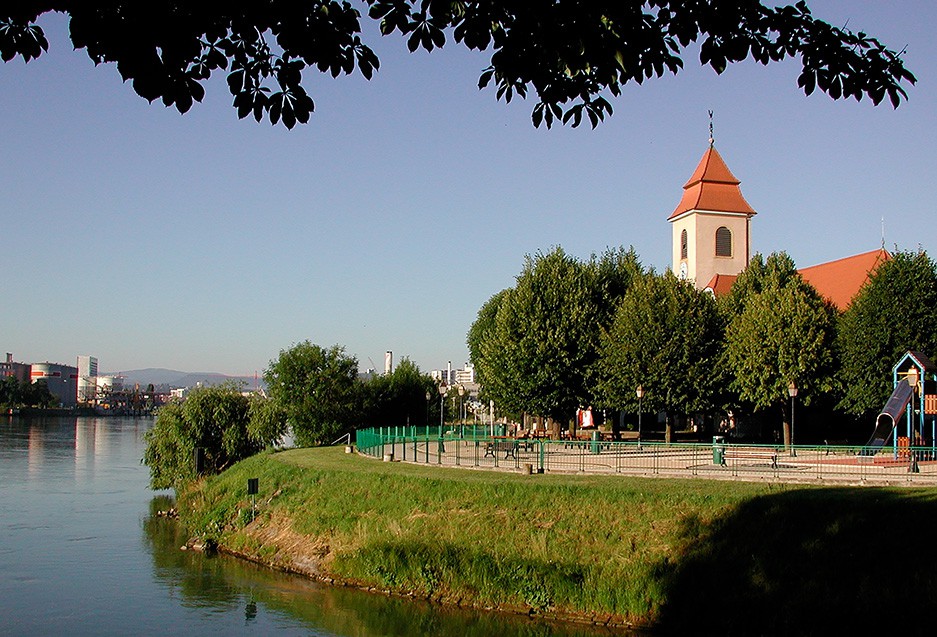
[(317, 389), (667, 337), (895, 311)]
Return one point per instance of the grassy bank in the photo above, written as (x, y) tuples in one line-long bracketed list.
[(706, 556)]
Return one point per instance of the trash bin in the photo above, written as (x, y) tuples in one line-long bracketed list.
[(719, 450), (595, 442), (499, 428)]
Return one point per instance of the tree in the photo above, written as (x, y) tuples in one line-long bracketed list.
[(667, 337), (317, 389), (481, 332), (10, 392), (894, 312), (37, 394), (399, 398), (570, 53), (613, 273), (784, 332), (218, 421), (544, 332), (537, 353)]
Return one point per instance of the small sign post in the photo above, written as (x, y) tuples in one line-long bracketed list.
[(252, 492)]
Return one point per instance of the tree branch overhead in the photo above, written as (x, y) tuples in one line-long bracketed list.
[(573, 55)]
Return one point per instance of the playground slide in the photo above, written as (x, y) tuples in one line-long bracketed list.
[(891, 414)]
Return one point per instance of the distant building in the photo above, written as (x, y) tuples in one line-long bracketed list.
[(388, 362), (109, 384), (464, 376), (62, 381), (87, 379), (9, 367)]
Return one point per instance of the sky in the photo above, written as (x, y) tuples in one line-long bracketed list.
[(201, 242)]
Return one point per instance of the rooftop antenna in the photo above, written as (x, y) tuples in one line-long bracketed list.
[(712, 138)]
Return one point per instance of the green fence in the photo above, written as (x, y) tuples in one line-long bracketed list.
[(474, 446)]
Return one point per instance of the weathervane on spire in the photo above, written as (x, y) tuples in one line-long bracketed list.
[(712, 139)]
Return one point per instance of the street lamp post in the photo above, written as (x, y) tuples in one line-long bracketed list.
[(639, 392), (443, 390), (491, 416), (461, 415), (428, 396), (792, 390)]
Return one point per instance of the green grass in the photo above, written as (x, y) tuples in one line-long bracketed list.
[(647, 551)]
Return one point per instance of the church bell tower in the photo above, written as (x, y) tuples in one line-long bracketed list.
[(711, 224)]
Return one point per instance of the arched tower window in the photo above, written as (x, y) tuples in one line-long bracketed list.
[(683, 245), (723, 242)]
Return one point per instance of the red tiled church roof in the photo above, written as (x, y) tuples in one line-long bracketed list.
[(712, 187), (720, 284), (840, 281)]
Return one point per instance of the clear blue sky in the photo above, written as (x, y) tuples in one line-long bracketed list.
[(207, 243)]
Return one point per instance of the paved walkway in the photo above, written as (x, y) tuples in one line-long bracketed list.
[(754, 463)]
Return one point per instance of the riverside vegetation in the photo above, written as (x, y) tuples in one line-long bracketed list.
[(706, 556)]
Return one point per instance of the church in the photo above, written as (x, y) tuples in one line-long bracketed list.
[(711, 235)]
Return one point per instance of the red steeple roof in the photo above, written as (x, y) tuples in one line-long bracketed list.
[(712, 187)]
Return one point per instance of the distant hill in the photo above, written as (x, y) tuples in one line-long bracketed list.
[(174, 378)]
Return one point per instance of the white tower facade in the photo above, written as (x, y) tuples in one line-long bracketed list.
[(388, 362)]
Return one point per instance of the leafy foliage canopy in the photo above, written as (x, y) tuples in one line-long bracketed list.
[(571, 54)]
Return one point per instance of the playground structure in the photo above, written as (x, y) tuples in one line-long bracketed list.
[(915, 399)]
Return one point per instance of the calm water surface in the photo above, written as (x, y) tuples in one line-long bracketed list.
[(82, 553)]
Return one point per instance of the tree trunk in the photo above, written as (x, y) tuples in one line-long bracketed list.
[(554, 427), (786, 429)]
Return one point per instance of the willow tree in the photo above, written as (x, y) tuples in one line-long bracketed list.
[(219, 423)]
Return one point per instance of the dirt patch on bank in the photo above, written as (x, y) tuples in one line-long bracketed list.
[(285, 549)]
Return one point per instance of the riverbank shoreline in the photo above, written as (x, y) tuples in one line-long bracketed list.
[(610, 622), (621, 552), (81, 412), (303, 568)]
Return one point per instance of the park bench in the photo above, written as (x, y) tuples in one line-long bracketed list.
[(509, 447), (741, 454)]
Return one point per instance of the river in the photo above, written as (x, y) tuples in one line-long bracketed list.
[(83, 553)]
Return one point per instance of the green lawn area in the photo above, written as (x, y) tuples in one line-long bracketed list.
[(664, 552)]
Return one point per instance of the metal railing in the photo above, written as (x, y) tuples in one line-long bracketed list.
[(803, 463)]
